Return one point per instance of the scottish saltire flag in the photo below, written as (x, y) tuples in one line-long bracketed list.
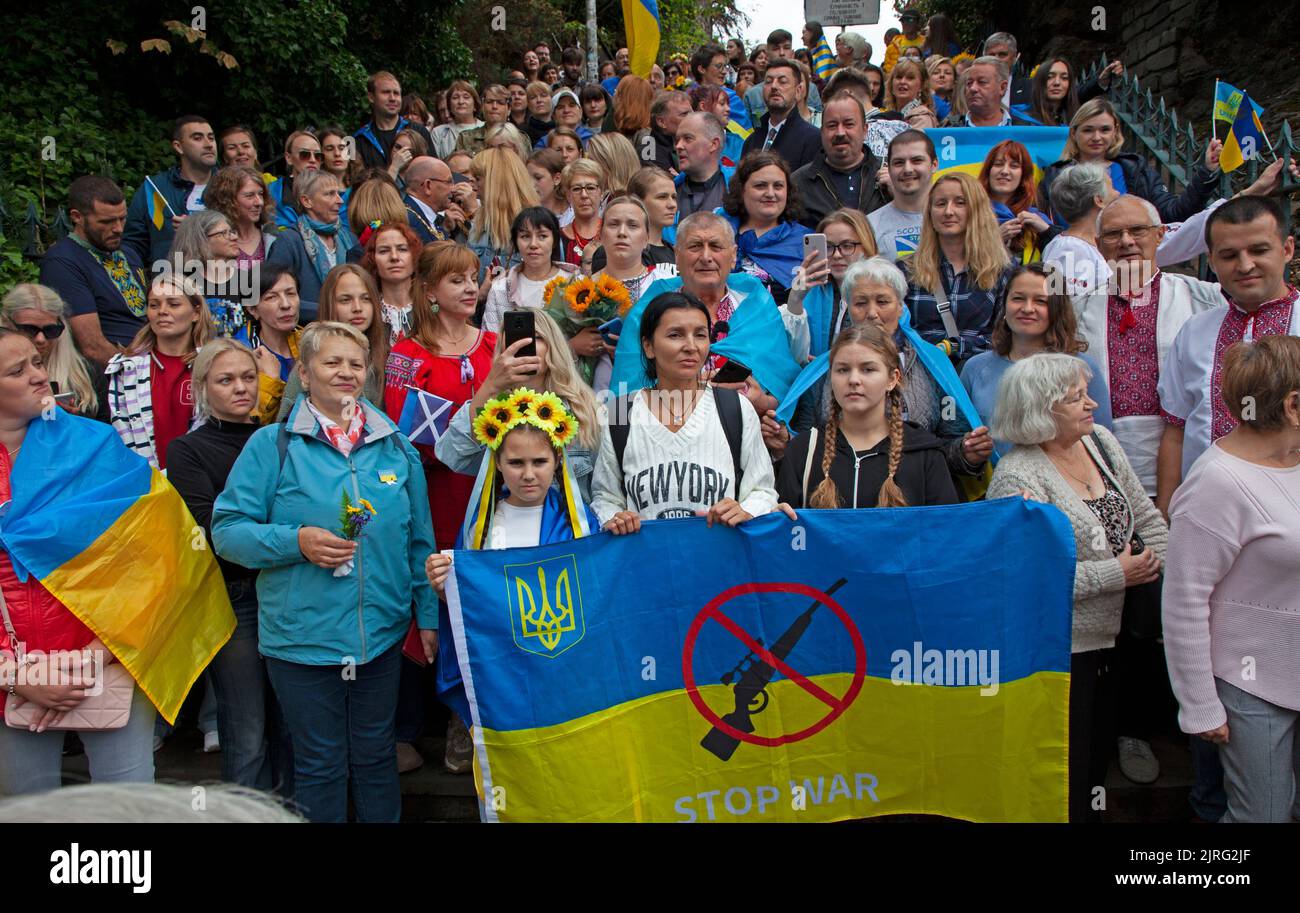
[(641, 23), (110, 538), (1227, 102), (1246, 138), (853, 664), (823, 60), (965, 148), (424, 417)]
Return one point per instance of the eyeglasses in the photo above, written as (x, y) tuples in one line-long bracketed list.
[(31, 331), (843, 249), (585, 189), (1137, 233), (305, 154), (224, 233)]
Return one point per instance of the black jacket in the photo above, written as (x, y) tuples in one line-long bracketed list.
[(198, 464), (1017, 120), (1141, 180), (537, 128), (798, 142), (817, 192), (922, 472)]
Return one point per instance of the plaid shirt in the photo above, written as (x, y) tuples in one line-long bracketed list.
[(974, 309)]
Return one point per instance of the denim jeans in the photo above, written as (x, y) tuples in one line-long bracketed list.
[(238, 678), (342, 728), (32, 762), (1208, 798)]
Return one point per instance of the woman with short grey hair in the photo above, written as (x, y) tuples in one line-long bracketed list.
[(851, 49), (873, 290), (1063, 458), (206, 250)]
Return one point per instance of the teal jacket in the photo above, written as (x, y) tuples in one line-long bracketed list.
[(305, 614)]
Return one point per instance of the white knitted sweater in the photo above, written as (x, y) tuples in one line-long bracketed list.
[(1098, 577)]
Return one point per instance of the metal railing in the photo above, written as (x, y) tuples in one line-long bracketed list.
[(1152, 130), (29, 231)]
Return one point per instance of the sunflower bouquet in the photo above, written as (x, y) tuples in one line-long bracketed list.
[(578, 302)]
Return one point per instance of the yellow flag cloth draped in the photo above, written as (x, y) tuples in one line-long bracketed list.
[(641, 21), (111, 539)]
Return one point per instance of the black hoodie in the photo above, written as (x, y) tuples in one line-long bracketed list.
[(922, 472)]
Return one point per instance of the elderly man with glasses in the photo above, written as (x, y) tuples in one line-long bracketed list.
[(428, 184)]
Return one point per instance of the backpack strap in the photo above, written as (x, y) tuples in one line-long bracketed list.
[(808, 462), (728, 402), (282, 442), (619, 428)]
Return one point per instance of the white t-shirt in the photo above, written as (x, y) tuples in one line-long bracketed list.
[(194, 202), (498, 302), (667, 475), (897, 231), (515, 527)]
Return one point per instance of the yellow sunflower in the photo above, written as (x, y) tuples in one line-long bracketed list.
[(580, 294), (563, 430), (502, 410), (547, 409), (551, 286), (368, 506), (487, 430), (522, 400)]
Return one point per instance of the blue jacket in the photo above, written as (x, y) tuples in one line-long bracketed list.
[(140, 236), (305, 614), (372, 151), (286, 215), (290, 251)]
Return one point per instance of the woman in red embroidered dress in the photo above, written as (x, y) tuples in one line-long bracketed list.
[(444, 355)]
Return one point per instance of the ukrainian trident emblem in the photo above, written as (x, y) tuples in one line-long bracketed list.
[(545, 605)]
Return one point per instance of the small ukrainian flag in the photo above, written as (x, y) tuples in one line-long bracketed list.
[(1245, 139), (1227, 100)]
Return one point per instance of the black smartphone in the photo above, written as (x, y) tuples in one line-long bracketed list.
[(1138, 545), (733, 372), (517, 325)]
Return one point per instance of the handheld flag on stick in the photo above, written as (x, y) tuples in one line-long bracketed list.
[(1244, 140), (156, 204), (641, 21), (1227, 100), (424, 417)]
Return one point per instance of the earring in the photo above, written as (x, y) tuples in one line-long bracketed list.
[(433, 307)]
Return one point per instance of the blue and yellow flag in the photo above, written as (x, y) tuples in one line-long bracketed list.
[(965, 148), (157, 204), (823, 60), (641, 23), (853, 664), (1246, 138), (1227, 102), (111, 539)]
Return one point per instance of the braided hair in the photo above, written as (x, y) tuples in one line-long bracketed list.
[(826, 495)]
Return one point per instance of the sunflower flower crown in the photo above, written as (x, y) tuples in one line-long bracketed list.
[(544, 411)]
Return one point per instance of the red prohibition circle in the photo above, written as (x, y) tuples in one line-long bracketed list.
[(711, 611)]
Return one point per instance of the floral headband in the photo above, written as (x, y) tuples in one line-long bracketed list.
[(544, 411)]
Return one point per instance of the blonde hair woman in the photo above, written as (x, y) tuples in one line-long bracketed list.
[(555, 371), (617, 156), (908, 81), (816, 313), (37, 312), (1096, 136), (150, 394), (504, 190), (959, 270), (508, 136)]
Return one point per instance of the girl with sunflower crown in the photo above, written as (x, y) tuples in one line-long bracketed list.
[(526, 434)]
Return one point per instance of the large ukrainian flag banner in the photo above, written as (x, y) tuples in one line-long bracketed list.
[(965, 148), (111, 539), (852, 664), (641, 22)]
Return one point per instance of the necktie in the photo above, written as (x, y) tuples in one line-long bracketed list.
[(771, 137)]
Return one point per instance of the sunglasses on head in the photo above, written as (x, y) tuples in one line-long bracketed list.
[(31, 331)]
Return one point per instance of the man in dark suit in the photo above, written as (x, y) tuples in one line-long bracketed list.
[(428, 183), (1020, 89), (781, 129)]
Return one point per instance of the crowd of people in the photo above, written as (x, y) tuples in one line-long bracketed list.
[(811, 315)]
